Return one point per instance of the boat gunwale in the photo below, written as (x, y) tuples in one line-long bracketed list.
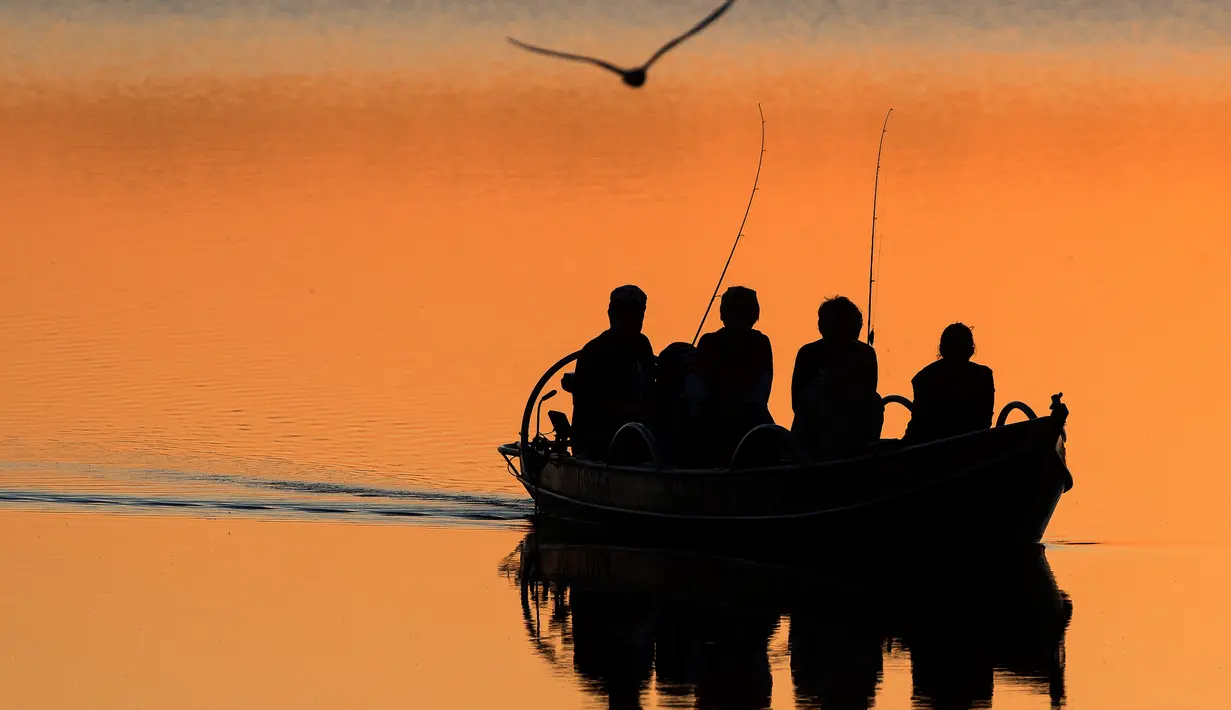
[(816, 466)]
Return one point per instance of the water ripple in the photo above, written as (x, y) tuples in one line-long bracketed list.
[(163, 491)]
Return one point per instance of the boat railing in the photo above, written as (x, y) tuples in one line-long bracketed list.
[(634, 445), (1009, 409), (533, 461), (1058, 408), (767, 444)]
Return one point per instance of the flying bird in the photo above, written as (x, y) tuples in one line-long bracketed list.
[(634, 77)]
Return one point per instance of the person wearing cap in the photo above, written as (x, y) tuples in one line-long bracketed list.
[(833, 388), (613, 381), (735, 370), (952, 395)]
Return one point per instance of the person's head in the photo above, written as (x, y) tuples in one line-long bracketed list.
[(739, 308), (957, 342), (674, 363), (839, 319), (626, 311)]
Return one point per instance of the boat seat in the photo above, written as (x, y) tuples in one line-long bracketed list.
[(767, 445), (634, 445)]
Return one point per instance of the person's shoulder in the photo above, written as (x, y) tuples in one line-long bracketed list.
[(929, 372), (706, 346), (981, 371), (863, 350), (597, 343), (809, 349), (597, 340)]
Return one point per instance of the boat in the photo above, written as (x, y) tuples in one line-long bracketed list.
[(604, 605), (998, 486)]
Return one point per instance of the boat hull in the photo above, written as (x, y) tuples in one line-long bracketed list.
[(998, 486)]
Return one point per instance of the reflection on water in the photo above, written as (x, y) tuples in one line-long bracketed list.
[(695, 627)]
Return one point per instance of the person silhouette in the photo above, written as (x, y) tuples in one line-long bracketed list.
[(674, 428), (735, 369), (612, 383), (952, 395), (634, 77), (833, 387)]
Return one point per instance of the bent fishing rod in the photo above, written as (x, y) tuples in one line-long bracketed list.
[(872, 248), (755, 182)]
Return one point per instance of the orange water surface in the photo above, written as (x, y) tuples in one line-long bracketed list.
[(320, 255)]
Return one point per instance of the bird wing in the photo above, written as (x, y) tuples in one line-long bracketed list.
[(566, 55), (696, 28)]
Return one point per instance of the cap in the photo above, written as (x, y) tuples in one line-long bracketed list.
[(630, 295)]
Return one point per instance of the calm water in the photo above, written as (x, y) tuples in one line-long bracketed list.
[(277, 271)]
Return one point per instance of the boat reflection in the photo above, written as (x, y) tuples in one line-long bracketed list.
[(696, 625)]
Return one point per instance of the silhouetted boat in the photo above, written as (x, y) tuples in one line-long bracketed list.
[(700, 619), (993, 487)]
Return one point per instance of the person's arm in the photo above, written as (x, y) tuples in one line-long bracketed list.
[(875, 370), (799, 381), (649, 365), (912, 424), (987, 405), (648, 362), (694, 393), (765, 381), (762, 387), (703, 361), (583, 407), (592, 380), (582, 374)]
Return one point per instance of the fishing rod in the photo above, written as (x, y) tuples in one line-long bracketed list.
[(872, 248), (880, 261), (740, 233)]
